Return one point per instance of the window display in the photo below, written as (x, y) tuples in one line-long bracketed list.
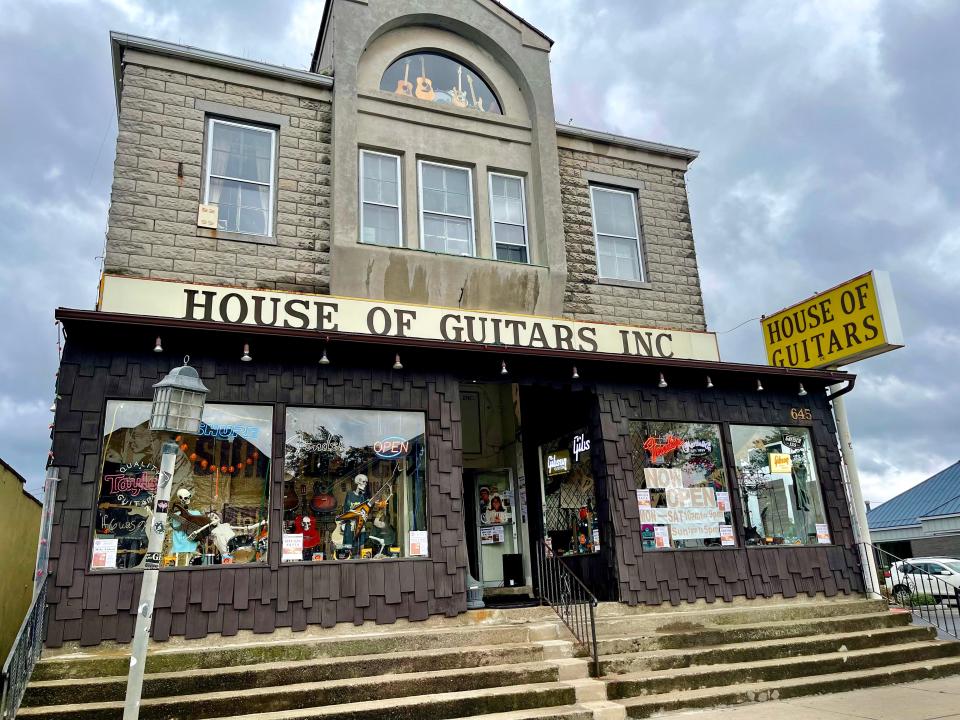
[(354, 485), (219, 503), (778, 486), (682, 489), (569, 495)]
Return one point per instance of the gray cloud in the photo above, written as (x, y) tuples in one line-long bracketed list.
[(828, 148)]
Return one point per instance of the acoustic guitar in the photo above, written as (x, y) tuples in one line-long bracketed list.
[(477, 102), (424, 89), (457, 94), (405, 87)]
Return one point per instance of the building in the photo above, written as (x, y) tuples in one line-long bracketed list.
[(923, 521), (21, 517), (410, 290)]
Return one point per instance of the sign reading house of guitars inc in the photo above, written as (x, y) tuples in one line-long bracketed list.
[(854, 320), (330, 314)]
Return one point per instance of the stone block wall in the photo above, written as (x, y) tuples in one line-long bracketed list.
[(153, 212), (670, 297)]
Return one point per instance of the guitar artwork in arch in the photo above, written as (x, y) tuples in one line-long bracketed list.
[(477, 101), (457, 95), (424, 89), (405, 87)]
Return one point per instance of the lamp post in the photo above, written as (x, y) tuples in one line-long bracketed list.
[(177, 407)]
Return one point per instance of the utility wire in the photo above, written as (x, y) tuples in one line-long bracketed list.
[(724, 332)]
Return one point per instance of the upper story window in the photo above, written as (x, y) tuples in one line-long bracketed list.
[(239, 176), (617, 233), (438, 78), (380, 199), (446, 208), (508, 217)]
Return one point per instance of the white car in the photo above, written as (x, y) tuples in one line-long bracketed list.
[(936, 576)]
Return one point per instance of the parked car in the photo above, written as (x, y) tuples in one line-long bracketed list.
[(935, 576)]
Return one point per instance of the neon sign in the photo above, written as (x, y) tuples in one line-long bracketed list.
[(659, 449), (391, 448)]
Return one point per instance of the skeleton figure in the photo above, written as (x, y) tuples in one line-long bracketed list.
[(181, 543), (223, 533), (353, 498)]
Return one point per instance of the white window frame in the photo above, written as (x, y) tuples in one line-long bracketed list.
[(207, 174), (473, 229), (399, 204), (636, 224), (493, 222)]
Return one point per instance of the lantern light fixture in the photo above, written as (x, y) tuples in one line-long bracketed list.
[(246, 353), (178, 400), (759, 385), (663, 381), (158, 347), (709, 383), (803, 391), (576, 375), (397, 365), (503, 367)]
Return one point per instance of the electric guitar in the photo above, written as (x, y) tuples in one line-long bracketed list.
[(405, 87), (477, 102), (424, 84), (457, 94), (359, 513)]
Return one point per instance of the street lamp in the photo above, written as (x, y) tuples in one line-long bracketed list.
[(177, 407)]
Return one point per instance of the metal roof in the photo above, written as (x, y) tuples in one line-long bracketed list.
[(936, 496)]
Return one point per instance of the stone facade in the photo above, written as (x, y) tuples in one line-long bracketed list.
[(153, 212), (670, 297)]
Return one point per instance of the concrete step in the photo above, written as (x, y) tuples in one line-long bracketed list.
[(720, 614), (202, 655), (642, 707), (285, 672), (264, 700), (732, 674), (683, 637), (761, 650), (546, 700)]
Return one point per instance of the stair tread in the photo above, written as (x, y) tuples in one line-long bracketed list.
[(376, 706), (758, 687), (803, 639), (347, 683), (719, 610), (556, 711), (653, 632), (815, 658), (280, 664)]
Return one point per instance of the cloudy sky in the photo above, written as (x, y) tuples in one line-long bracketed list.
[(827, 149)]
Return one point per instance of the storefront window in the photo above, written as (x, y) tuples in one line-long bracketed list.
[(354, 485), (778, 486), (682, 489), (219, 501), (569, 495)]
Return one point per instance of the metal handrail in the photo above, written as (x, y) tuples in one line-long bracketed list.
[(911, 593), (23, 655), (563, 591)]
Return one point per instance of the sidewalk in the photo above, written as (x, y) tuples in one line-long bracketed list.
[(924, 700)]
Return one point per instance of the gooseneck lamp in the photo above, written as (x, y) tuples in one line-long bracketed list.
[(178, 401)]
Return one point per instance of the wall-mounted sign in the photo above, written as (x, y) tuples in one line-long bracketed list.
[(852, 321), (329, 314), (208, 216), (779, 462), (558, 462)]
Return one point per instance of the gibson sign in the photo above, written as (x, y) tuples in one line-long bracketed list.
[(329, 314)]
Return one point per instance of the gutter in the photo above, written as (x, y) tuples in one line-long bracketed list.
[(122, 41)]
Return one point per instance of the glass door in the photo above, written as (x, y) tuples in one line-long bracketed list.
[(495, 507)]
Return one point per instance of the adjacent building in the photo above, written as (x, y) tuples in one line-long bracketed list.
[(923, 521), (438, 328), (21, 518)]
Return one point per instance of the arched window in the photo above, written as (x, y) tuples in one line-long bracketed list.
[(438, 78)]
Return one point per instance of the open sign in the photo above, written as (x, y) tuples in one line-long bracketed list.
[(391, 447)]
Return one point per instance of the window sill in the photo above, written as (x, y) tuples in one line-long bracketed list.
[(639, 285), (237, 237), (512, 263)]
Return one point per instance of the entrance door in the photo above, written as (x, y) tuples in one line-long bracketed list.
[(494, 509)]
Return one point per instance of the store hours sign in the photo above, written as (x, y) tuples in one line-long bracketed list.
[(330, 314)]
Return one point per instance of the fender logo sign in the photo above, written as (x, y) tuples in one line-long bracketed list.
[(658, 449)]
